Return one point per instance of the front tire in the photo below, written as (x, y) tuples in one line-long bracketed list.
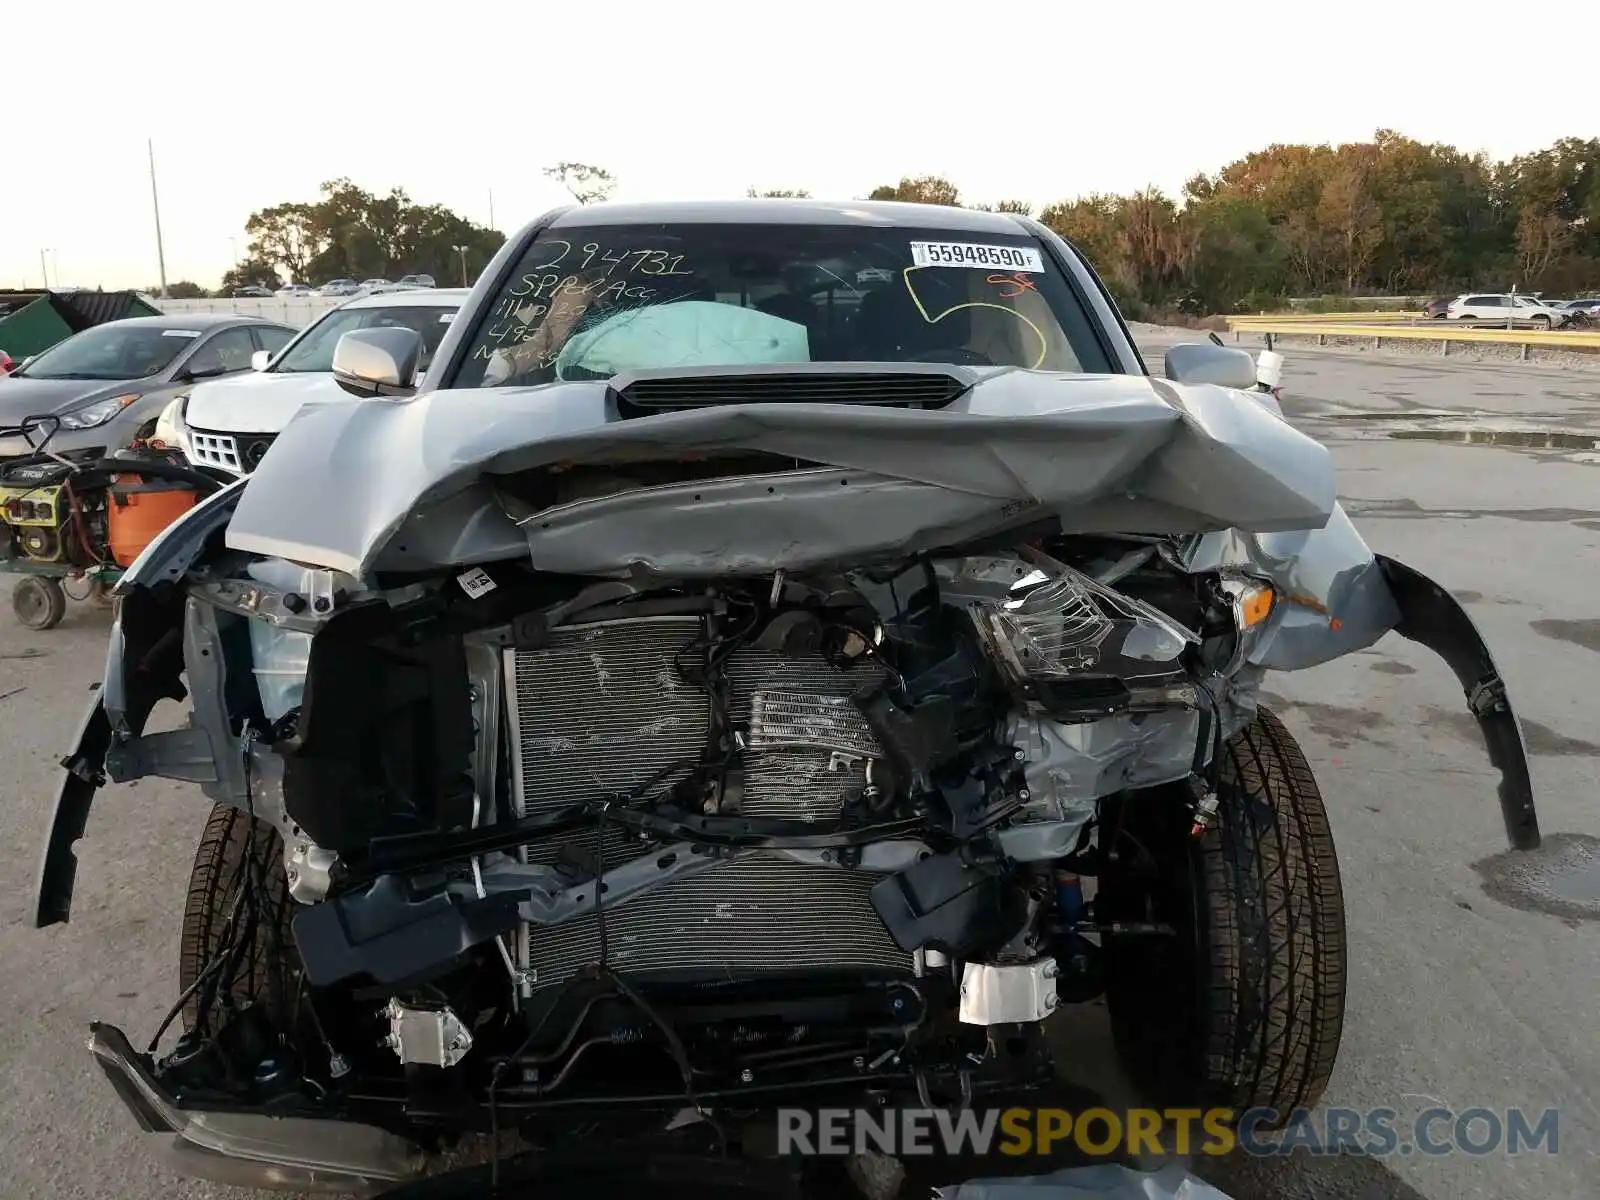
[(1245, 1007), (237, 850)]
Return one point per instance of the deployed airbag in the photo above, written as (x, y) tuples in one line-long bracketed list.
[(689, 333)]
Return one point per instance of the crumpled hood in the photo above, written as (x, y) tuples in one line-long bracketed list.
[(257, 401), (1105, 453)]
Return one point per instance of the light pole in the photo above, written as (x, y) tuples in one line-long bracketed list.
[(155, 203), (43, 250), (462, 250)]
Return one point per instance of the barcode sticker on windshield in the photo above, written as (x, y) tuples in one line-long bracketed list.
[(183, 333), (475, 582), (970, 254)]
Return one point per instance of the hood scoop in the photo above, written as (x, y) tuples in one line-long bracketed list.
[(898, 385)]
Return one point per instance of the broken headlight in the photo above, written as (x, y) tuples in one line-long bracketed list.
[(1075, 649)]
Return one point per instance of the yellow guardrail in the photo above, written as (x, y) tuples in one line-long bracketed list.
[(1432, 331), (1326, 318)]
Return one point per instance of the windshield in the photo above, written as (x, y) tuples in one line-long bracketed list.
[(592, 302), (314, 351), (112, 352)]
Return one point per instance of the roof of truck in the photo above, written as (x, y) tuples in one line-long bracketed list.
[(882, 213)]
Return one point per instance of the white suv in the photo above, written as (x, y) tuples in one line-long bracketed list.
[(1520, 310), (232, 427)]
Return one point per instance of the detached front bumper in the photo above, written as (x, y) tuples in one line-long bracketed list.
[(251, 1149)]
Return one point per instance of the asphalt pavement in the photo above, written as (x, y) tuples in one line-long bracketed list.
[(1474, 974)]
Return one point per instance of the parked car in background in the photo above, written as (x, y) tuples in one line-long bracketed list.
[(373, 287), (1438, 308), (338, 287), (232, 423), (251, 290), (108, 385), (1580, 314), (1502, 306), (416, 281), (296, 289)]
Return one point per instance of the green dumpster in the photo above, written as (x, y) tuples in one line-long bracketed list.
[(32, 321)]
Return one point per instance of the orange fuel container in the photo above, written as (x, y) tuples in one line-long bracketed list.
[(138, 509)]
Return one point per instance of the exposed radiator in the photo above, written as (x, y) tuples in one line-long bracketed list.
[(754, 916), (602, 709)]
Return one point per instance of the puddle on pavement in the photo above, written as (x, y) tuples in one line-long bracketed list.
[(1524, 439), (1581, 884), (1561, 878)]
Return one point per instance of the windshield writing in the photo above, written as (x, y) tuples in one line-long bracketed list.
[(592, 303)]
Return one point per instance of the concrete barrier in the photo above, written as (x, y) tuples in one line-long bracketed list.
[(291, 310)]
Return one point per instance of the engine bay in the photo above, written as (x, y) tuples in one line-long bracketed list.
[(638, 840)]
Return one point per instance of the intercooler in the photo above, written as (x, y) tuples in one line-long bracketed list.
[(603, 708)]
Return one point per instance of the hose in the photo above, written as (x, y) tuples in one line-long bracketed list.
[(204, 483)]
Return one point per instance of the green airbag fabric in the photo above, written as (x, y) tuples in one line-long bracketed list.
[(688, 333)]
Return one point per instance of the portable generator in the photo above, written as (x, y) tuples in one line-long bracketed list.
[(47, 520), (61, 519)]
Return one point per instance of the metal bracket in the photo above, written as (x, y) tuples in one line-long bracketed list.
[(183, 754), (1487, 696), (1007, 995), (426, 1037)]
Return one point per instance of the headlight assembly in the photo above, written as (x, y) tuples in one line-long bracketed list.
[(97, 413), (1074, 648)]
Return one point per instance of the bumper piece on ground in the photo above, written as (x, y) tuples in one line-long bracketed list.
[(252, 1149), (1432, 617)]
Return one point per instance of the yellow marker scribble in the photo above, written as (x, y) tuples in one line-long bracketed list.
[(1044, 345)]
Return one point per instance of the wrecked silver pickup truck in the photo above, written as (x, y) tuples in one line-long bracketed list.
[(780, 651)]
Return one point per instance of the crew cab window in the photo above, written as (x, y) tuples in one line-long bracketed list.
[(593, 302)]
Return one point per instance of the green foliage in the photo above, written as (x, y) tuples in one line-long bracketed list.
[(1392, 215), (355, 234), (253, 270), (588, 184), (186, 289), (924, 189)]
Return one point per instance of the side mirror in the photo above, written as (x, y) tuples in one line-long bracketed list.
[(199, 373), (1202, 362), (378, 362), (260, 359)]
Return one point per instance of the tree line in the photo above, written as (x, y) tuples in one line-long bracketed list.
[(1389, 216), (1392, 216)]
